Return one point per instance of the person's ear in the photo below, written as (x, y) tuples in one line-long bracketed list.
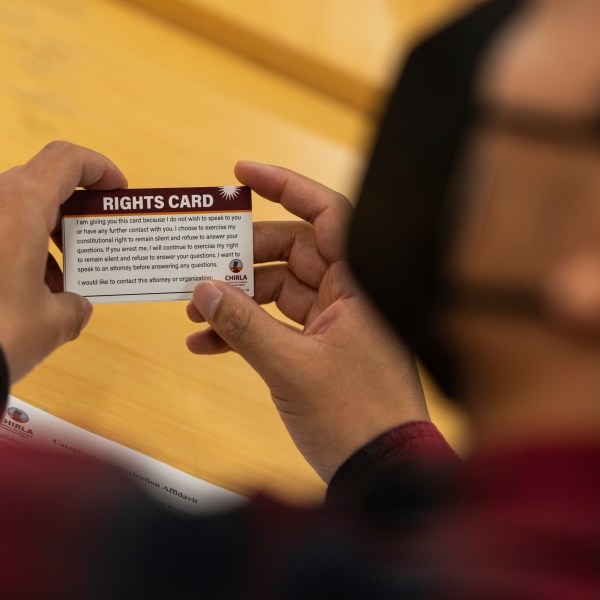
[(571, 291)]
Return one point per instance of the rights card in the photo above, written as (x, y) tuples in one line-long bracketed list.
[(141, 245)]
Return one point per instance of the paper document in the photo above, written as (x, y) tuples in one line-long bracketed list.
[(25, 425)]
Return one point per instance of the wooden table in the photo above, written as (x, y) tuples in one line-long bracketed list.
[(172, 108)]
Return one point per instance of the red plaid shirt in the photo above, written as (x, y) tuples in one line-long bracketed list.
[(403, 518)]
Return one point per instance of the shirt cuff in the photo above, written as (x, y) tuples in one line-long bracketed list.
[(416, 442)]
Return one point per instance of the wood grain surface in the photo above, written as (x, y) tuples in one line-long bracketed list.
[(173, 107)]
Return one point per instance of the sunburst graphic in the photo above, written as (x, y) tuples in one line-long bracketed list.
[(229, 192)]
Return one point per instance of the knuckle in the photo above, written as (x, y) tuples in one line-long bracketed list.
[(11, 183), (237, 322), (341, 200), (344, 207), (61, 146), (22, 187)]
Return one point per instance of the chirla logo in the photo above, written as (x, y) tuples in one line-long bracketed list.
[(15, 420), (18, 415), (236, 265)]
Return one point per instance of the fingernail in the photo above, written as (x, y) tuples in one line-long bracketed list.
[(207, 298), (248, 162)]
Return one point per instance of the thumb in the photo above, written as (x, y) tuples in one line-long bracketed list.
[(260, 339), (60, 320), (71, 314)]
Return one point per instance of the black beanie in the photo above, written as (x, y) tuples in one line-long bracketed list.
[(397, 244)]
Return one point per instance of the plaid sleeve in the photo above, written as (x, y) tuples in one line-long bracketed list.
[(416, 442)]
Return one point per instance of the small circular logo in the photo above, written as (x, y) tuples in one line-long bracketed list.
[(18, 415), (236, 265)]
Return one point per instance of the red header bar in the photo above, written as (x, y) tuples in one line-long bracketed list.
[(158, 200)]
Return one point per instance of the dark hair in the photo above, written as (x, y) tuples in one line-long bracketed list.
[(398, 219)]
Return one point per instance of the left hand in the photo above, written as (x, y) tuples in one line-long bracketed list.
[(36, 316)]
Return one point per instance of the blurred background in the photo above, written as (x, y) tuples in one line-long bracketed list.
[(175, 91)]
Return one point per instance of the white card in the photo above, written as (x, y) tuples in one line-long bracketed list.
[(141, 245)]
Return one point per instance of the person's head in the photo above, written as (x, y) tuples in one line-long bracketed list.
[(484, 192)]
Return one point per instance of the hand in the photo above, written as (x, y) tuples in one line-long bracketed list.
[(36, 316), (345, 378)]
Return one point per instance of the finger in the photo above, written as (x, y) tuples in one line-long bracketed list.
[(193, 314), (207, 342), (54, 276), (59, 168), (248, 329), (298, 194), (69, 314), (327, 210), (275, 283), (273, 240), (291, 242)]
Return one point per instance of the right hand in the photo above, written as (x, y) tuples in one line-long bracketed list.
[(345, 378)]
